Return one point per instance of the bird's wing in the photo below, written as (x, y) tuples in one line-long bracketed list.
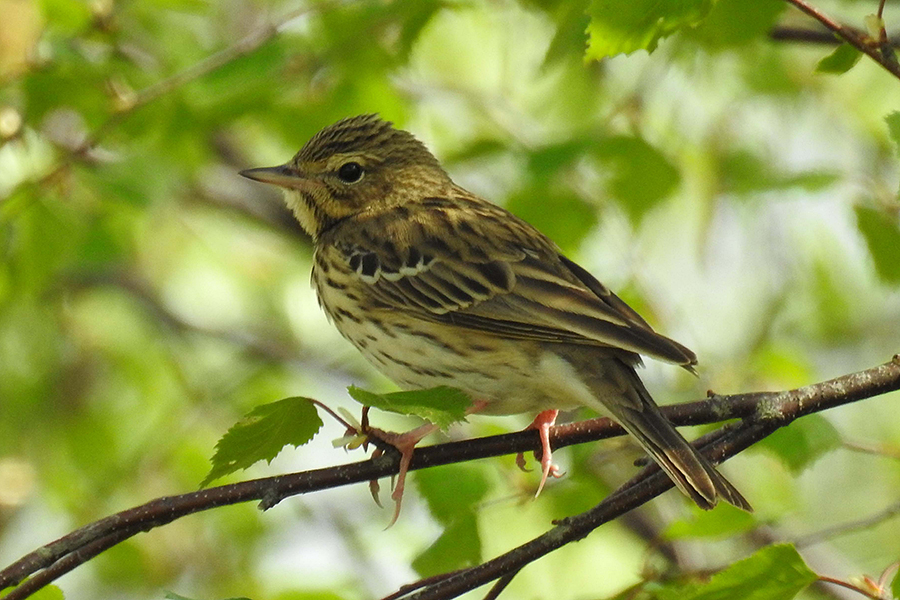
[(474, 265)]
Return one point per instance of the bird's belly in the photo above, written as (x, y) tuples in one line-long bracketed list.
[(511, 375)]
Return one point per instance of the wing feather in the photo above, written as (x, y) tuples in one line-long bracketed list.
[(476, 266)]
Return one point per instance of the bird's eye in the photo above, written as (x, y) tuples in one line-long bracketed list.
[(350, 172)]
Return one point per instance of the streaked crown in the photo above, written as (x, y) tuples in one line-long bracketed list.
[(359, 163), (365, 134)]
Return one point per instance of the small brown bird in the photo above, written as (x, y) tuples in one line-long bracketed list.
[(438, 287)]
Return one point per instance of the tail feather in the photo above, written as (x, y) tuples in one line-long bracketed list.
[(693, 474)]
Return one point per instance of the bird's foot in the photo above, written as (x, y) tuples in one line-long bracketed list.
[(405, 444), (543, 422)]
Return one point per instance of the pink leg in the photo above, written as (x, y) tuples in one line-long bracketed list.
[(543, 422), (406, 443)]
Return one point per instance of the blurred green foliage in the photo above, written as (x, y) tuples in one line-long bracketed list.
[(745, 203)]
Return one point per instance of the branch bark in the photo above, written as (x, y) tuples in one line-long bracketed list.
[(760, 414), (880, 50)]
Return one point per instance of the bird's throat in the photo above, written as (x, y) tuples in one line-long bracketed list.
[(304, 209)]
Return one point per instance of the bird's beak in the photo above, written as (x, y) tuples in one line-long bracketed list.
[(283, 176)]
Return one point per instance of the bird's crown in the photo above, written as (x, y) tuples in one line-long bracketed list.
[(365, 135)]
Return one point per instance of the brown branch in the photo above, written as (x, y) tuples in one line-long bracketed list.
[(878, 50), (772, 412), (762, 414), (805, 35), (850, 586)]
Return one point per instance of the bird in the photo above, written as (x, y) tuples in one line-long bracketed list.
[(436, 286)]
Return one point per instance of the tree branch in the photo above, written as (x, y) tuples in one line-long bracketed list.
[(761, 414), (880, 50), (772, 411)]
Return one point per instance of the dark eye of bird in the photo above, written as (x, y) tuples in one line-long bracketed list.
[(350, 172)]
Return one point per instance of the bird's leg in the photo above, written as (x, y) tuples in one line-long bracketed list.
[(405, 443), (543, 422)]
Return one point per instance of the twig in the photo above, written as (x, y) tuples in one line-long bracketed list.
[(881, 53), (851, 527), (882, 450), (850, 586), (786, 33), (762, 413), (771, 414)]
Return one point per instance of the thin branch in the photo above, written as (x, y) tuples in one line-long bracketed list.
[(651, 482), (498, 587), (850, 586), (851, 527), (771, 414), (805, 35), (878, 50), (883, 450), (762, 414)]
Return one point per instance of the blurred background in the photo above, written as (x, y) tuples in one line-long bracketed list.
[(742, 201)]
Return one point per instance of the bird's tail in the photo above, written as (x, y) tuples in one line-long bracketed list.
[(692, 473)]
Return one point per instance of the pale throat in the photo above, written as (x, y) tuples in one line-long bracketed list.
[(302, 210)]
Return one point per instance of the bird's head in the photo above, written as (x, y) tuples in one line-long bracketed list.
[(356, 165)]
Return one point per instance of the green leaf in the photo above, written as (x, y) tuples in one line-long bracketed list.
[(49, 592), (641, 176), (452, 490), (723, 522), (839, 61), (561, 214), (442, 405), (895, 585), (262, 433), (458, 546), (623, 27), (774, 573), (736, 23), (803, 442), (893, 123), (746, 173), (882, 234)]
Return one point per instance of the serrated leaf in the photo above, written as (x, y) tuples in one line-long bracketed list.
[(803, 442), (442, 405), (895, 585), (262, 433), (839, 61), (882, 234), (458, 546), (623, 27), (774, 573)]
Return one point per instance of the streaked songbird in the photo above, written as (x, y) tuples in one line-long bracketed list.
[(438, 287)]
